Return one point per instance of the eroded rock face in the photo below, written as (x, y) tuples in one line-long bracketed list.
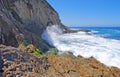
[(26, 20), (35, 14)]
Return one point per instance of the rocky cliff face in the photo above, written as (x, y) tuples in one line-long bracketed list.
[(25, 20)]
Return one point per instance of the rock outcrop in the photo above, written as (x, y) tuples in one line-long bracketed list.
[(26, 20), (14, 63)]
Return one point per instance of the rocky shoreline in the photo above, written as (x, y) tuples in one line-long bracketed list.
[(15, 63), (23, 52)]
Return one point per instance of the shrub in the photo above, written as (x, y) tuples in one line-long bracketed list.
[(24, 42), (38, 52), (40, 38), (70, 54), (52, 51)]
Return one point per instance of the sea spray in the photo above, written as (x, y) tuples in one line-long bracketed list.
[(105, 50), (51, 34)]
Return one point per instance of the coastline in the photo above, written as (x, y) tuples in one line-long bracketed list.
[(17, 63), (35, 43)]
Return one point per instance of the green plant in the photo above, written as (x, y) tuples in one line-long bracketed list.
[(38, 52), (52, 51), (40, 38), (24, 42), (71, 55)]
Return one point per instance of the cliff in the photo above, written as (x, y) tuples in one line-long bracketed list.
[(25, 20), (21, 24)]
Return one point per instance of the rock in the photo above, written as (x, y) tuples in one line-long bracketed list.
[(85, 30), (23, 64), (71, 72), (19, 64), (26, 20), (115, 71), (81, 30), (67, 66), (29, 48), (75, 31)]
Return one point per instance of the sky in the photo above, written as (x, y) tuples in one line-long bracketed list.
[(88, 12)]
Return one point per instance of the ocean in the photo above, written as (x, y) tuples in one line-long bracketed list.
[(102, 43), (106, 32)]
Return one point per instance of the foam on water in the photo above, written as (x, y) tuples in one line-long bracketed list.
[(105, 50)]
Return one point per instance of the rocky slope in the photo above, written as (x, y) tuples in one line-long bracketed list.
[(14, 63), (25, 20)]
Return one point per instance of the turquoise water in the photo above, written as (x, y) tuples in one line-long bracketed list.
[(106, 32)]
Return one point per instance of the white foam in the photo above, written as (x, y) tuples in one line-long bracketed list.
[(51, 33), (106, 51)]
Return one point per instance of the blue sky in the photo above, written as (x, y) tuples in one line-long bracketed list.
[(88, 12)]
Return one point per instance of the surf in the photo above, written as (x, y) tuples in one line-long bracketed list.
[(105, 50)]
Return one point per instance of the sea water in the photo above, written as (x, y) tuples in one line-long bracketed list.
[(103, 43), (106, 32)]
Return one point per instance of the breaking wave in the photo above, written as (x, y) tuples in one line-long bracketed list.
[(105, 50)]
